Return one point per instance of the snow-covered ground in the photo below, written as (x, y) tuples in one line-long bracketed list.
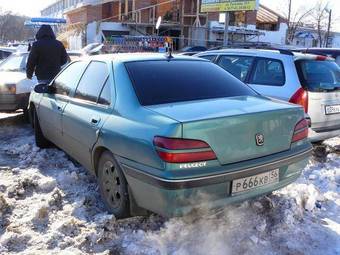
[(50, 205)]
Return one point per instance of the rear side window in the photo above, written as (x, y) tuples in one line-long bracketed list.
[(268, 72), (92, 82), (105, 95), (319, 76), (67, 80), (239, 66), (160, 82)]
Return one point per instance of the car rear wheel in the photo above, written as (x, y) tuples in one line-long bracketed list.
[(113, 186), (26, 115), (40, 139)]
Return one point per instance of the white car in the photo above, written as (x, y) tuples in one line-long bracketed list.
[(311, 81), (15, 88), (5, 53)]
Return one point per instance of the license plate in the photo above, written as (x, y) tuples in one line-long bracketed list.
[(255, 181), (332, 109)]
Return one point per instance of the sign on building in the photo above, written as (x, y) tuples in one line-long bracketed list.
[(229, 5)]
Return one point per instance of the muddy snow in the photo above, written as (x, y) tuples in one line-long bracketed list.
[(51, 205)]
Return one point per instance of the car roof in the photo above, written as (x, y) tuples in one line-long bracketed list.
[(321, 49), (132, 57), (20, 53), (8, 49), (264, 53)]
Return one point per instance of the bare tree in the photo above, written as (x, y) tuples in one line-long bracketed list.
[(12, 27), (320, 21), (295, 19)]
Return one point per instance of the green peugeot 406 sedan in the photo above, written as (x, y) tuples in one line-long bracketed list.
[(169, 134)]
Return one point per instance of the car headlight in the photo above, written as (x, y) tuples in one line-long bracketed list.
[(12, 88), (8, 88)]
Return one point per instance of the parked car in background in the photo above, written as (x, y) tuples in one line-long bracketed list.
[(189, 53), (160, 131), (15, 88), (92, 49), (193, 49), (74, 55), (330, 52), (309, 80), (5, 53)]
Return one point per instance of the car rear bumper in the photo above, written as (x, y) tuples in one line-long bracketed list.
[(314, 136), (175, 197), (13, 102)]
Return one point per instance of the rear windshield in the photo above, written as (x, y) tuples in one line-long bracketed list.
[(14, 63), (319, 76), (4, 54), (160, 82)]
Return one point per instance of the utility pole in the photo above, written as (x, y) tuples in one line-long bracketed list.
[(289, 23), (329, 27), (226, 27), (289, 10)]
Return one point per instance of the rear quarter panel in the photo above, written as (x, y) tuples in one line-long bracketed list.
[(129, 131), (292, 83)]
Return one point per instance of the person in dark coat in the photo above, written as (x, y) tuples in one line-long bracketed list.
[(47, 56)]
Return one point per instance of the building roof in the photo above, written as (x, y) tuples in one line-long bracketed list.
[(266, 15)]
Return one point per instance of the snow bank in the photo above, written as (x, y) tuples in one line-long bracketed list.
[(49, 205)]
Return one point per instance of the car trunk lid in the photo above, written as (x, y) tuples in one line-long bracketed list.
[(324, 110), (320, 77), (231, 126)]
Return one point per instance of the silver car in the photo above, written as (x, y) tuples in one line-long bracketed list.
[(309, 80), (15, 88)]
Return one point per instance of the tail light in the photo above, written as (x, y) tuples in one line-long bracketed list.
[(173, 150), (300, 97), (300, 131), (12, 88), (321, 58)]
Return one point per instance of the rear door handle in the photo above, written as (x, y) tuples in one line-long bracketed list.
[(59, 108), (95, 121)]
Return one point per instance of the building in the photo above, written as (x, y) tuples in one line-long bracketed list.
[(95, 21), (307, 37)]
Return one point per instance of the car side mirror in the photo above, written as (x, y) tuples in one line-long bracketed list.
[(43, 88)]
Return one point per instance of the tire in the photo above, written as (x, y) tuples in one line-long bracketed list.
[(40, 139), (26, 115), (113, 186)]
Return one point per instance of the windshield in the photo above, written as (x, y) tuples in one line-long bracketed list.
[(161, 82), (319, 76), (14, 63)]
